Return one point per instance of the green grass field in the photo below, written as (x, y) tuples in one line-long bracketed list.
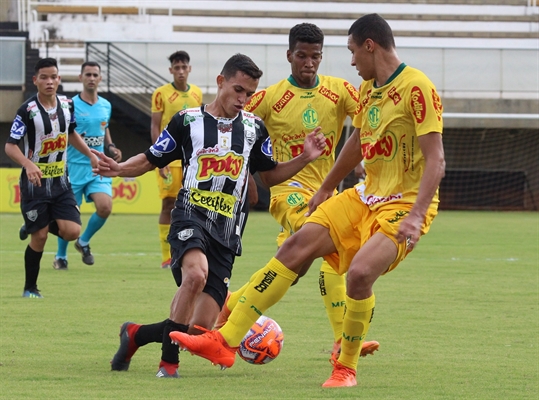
[(457, 320)]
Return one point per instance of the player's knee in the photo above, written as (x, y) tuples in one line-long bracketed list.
[(69, 232), (103, 210)]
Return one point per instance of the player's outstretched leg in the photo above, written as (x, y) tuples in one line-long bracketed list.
[(128, 347), (210, 345)]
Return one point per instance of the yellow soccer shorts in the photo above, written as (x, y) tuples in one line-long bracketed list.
[(351, 223), (170, 186)]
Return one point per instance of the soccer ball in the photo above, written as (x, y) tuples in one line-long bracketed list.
[(262, 343)]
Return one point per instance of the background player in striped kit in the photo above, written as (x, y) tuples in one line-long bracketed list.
[(219, 145), (92, 114), (43, 123), (167, 100)]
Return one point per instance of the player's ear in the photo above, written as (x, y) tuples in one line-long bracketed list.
[(80, 77), (220, 79), (289, 56), (189, 69)]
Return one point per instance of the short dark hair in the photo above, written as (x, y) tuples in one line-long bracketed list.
[(179, 56), (240, 62), (45, 63), (305, 33), (374, 27), (89, 64)]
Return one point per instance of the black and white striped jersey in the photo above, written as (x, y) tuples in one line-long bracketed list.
[(217, 155), (44, 134)]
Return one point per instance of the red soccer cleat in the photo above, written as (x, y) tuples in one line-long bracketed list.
[(367, 348), (341, 377)]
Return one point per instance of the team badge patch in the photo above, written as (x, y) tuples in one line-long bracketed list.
[(164, 144), (18, 128), (32, 215), (266, 147), (185, 234)]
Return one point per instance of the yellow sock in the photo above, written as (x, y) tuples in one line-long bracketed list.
[(257, 298), (333, 292), (165, 247), (357, 319)]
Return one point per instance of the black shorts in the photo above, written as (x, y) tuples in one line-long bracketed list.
[(188, 235), (39, 213)]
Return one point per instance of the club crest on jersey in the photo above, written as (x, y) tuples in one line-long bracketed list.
[(310, 118), (185, 234), (164, 144), (374, 117), (250, 136), (267, 148), (32, 215), (18, 128)]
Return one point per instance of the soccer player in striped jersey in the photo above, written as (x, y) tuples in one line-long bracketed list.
[(291, 108), (367, 230), (43, 124), (219, 145), (167, 100)]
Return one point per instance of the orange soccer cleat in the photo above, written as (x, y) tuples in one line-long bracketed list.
[(210, 345), (341, 376), (367, 348)]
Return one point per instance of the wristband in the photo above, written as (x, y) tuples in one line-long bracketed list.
[(111, 144)]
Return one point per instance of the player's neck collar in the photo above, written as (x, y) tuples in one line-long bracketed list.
[(393, 75), (294, 83), (174, 86)]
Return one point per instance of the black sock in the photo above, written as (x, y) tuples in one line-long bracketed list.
[(169, 351), (151, 333), (32, 260)]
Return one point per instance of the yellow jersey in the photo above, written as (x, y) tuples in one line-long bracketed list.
[(291, 112), (169, 100), (390, 119)]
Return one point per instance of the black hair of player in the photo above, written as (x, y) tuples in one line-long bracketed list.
[(374, 27), (89, 64), (45, 63), (242, 63), (179, 56), (305, 33)]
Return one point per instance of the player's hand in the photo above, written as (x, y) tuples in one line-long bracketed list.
[(164, 172), (33, 173), (410, 230), (319, 197), (105, 166), (314, 144), (116, 153)]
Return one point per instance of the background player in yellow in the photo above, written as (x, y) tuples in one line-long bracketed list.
[(366, 230), (167, 100), (291, 109)]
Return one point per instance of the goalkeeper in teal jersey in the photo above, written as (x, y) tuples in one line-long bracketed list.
[(92, 114)]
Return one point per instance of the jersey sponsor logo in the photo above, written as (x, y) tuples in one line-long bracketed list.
[(173, 97), (18, 128), (51, 170), (294, 199), (218, 202), (267, 148), (196, 97), (52, 145), (158, 103), (371, 199), (164, 144), (255, 101), (363, 103), (229, 165), (283, 101), (438, 108), (310, 118), (385, 148), (188, 119), (322, 284), (185, 234), (94, 141), (418, 104), (324, 91), (394, 95), (208, 150), (297, 149), (398, 216), (269, 277), (352, 91), (307, 95), (373, 116)]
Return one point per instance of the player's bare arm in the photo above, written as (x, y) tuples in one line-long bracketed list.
[(314, 145), (134, 166), (111, 147), (155, 132), (349, 157), (433, 151), (32, 171)]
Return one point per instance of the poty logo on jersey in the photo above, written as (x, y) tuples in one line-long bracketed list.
[(210, 166), (255, 101), (267, 149), (283, 101), (352, 91), (374, 117), (418, 104), (297, 149), (164, 144), (438, 108), (309, 118), (18, 128), (324, 91), (385, 148), (52, 145)]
